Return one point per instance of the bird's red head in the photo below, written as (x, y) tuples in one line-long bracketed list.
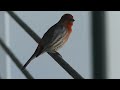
[(67, 17), (67, 20)]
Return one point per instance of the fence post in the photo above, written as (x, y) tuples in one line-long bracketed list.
[(99, 46)]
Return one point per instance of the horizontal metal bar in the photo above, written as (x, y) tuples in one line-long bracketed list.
[(55, 56), (15, 60)]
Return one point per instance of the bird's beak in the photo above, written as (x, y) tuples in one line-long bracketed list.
[(72, 20)]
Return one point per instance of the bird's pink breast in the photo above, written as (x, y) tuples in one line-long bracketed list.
[(67, 36), (60, 43)]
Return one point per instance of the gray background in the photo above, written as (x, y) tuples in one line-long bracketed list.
[(2, 53), (113, 44)]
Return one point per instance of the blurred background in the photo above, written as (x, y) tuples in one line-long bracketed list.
[(92, 50)]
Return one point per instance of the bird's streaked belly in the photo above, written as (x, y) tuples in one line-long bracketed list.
[(59, 44)]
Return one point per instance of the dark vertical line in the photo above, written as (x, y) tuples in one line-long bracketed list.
[(99, 46)]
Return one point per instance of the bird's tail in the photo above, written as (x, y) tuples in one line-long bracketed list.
[(26, 64), (37, 52)]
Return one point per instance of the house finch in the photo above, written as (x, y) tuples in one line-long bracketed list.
[(54, 38)]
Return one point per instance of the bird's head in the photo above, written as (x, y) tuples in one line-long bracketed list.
[(67, 19)]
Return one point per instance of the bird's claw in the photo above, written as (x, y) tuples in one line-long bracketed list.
[(58, 54)]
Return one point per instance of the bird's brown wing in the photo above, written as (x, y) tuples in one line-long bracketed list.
[(53, 35)]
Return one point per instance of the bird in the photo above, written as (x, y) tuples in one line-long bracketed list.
[(54, 38)]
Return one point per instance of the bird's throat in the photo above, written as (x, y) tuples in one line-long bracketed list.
[(69, 26)]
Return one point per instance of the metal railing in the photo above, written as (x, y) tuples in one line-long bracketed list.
[(56, 56), (15, 60)]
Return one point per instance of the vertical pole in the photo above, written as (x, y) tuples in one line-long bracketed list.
[(3, 61), (99, 50)]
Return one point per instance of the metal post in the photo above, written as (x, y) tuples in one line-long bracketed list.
[(99, 50)]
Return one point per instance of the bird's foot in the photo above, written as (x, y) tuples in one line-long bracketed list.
[(58, 54)]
